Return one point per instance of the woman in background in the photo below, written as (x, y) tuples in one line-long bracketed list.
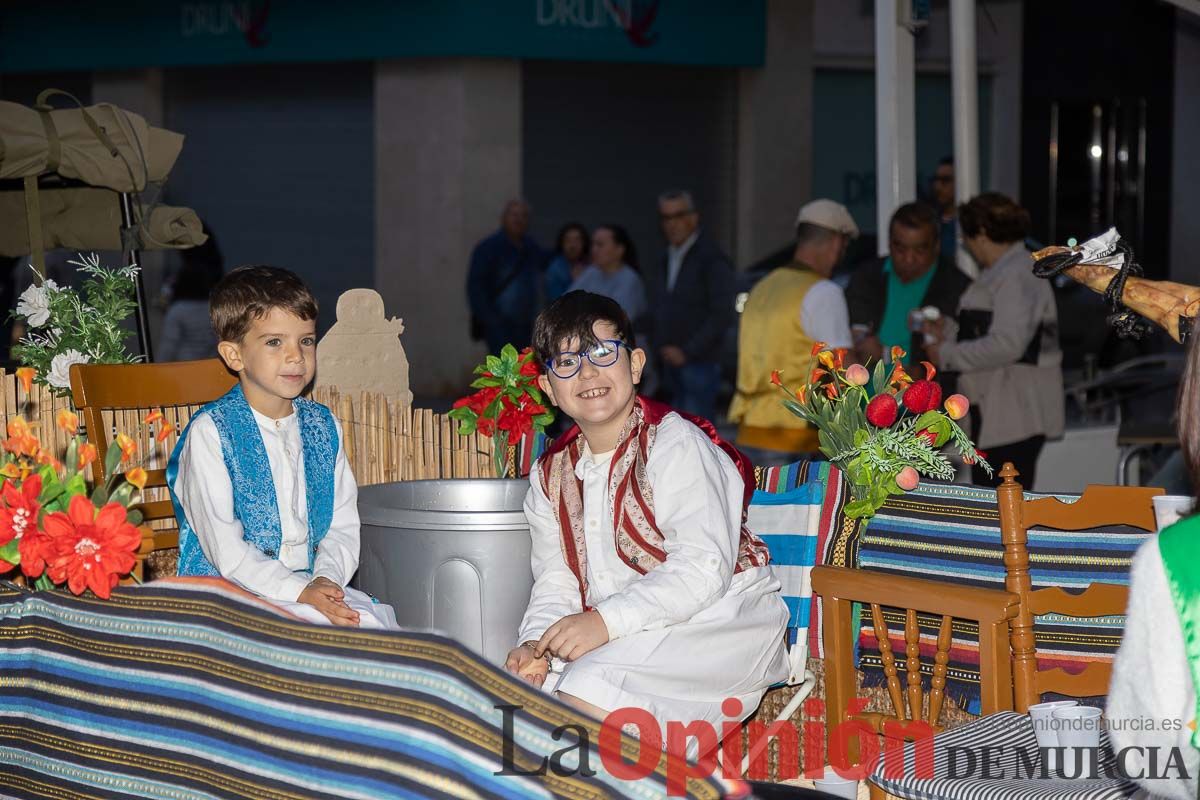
[(570, 260), (614, 272), (1004, 342)]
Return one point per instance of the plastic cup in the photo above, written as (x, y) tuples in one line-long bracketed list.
[(1045, 728), (1170, 508), (1078, 729), (833, 784)]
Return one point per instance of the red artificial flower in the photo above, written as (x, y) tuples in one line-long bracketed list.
[(37, 549), (19, 513), (882, 410), (930, 370), (486, 426), (922, 396), (839, 357), (816, 374), (818, 347), (479, 401), (898, 353), (775, 379), (831, 390), (515, 421), (92, 549), (929, 436), (530, 368)]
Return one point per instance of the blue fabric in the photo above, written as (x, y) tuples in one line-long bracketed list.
[(558, 278), (254, 501), (693, 387)]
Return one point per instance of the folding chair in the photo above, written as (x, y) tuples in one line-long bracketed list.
[(104, 393)]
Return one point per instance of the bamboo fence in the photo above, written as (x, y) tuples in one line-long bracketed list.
[(384, 442)]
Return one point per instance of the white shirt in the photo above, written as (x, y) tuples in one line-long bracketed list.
[(205, 491), (697, 506), (824, 314), (675, 256)]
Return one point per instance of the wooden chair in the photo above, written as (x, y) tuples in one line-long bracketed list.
[(102, 391), (840, 588), (1099, 506)]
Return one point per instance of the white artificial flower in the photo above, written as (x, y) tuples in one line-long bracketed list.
[(34, 303), (60, 368)]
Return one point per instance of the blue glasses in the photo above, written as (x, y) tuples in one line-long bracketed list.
[(603, 353)]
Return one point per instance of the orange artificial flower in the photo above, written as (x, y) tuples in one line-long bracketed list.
[(26, 375), (839, 357), (800, 393), (153, 417), (137, 476), (930, 370), (17, 426), (818, 347), (10, 470), (23, 445), (831, 390), (128, 446), (898, 352), (775, 378), (816, 375), (826, 359), (900, 376), (87, 454), (164, 431), (67, 420)]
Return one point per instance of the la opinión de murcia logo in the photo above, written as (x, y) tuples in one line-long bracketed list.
[(722, 749)]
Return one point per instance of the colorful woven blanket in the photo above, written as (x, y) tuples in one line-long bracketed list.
[(952, 533), (192, 689)]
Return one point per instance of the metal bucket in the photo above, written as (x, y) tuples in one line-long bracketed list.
[(451, 555)]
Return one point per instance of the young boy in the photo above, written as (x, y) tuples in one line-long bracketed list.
[(259, 479), (647, 583)]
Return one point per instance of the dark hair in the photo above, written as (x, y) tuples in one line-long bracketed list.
[(808, 233), (1188, 405), (995, 215), (562, 235), (916, 215), (573, 316), (251, 292), (947, 161), (621, 237)]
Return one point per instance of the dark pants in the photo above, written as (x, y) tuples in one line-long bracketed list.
[(1022, 454), (693, 387)]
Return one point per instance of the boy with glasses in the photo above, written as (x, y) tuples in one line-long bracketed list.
[(649, 590)]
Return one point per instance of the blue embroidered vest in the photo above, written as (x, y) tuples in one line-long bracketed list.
[(254, 501)]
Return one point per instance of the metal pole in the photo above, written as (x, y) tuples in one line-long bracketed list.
[(965, 89), (143, 328), (895, 118)]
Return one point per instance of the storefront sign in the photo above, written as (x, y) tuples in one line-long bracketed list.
[(61, 35)]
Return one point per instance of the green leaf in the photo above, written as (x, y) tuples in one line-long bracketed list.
[(10, 553), (509, 354), (493, 365), (134, 516), (484, 382), (99, 496), (879, 379), (76, 484), (857, 509), (123, 495), (43, 583), (926, 420), (111, 459), (860, 437)]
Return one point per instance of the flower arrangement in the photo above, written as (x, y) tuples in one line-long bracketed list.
[(65, 327), (881, 427), (52, 526), (508, 403)]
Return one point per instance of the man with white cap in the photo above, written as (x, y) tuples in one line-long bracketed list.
[(789, 310)]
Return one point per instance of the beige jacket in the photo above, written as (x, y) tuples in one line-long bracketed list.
[(1016, 400)]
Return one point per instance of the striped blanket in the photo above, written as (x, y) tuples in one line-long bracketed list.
[(189, 688), (952, 533)]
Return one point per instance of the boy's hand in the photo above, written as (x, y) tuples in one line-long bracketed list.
[(327, 597), (525, 665), (571, 637)]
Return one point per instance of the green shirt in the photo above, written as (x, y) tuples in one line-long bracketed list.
[(901, 299)]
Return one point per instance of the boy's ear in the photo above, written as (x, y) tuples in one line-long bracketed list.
[(231, 354), (637, 362), (543, 382)]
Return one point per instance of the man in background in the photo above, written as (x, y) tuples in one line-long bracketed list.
[(884, 294), (941, 191), (787, 312), (691, 306), (503, 282)]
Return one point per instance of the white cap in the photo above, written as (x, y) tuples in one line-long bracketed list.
[(828, 214)]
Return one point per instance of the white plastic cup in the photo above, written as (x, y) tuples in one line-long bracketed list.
[(834, 784), (1078, 726), (1170, 508), (1045, 727)]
